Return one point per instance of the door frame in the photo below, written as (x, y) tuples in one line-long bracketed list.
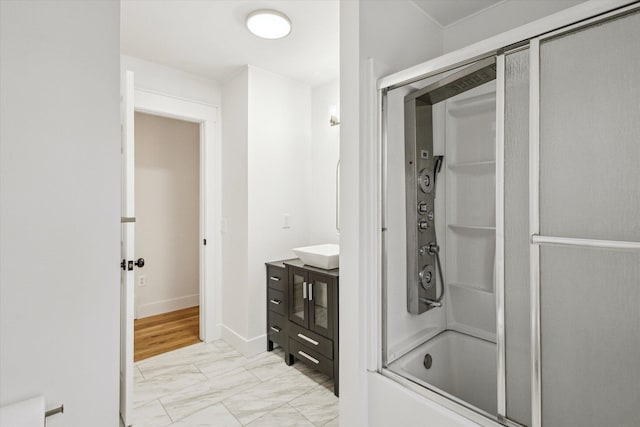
[(207, 116)]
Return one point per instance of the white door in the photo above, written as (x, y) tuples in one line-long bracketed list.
[(127, 248)]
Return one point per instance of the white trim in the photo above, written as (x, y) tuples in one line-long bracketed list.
[(248, 347), (167, 95), (534, 228), (382, 359), (167, 305), (585, 243), (499, 280), (491, 45), (210, 195), (371, 222), (631, 8)]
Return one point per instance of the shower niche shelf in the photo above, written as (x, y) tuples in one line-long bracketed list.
[(470, 206)]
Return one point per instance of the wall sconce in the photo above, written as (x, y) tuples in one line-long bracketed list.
[(334, 120)]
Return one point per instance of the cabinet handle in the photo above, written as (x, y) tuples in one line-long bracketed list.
[(275, 329), (275, 301), (274, 278), (306, 356), (314, 342), (310, 291), (304, 290)]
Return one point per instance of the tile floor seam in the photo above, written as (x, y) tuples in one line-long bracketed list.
[(166, 412), (141, 373), (332, 419), (232, 414), (220, 401), (298, 411), (319, 387), (265, 414)]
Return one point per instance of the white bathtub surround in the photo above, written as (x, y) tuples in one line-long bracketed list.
[(211, 384), (463, 366)]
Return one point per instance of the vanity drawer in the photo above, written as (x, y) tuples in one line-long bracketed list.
[(309, 339), (276, 301), (310, 357), (277, 278), (276, 328)]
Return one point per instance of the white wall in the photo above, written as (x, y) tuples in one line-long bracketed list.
[(325, 152), (160, 78), (279, 174), (60, 207), (167, 171), (235, 238), (396, 35), (504, 16), (266, 156)]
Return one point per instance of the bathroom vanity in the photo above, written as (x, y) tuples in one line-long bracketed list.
[(302, 315)]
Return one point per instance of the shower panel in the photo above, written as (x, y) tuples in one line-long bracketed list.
[(422, 167)]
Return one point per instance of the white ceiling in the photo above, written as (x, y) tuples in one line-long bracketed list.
[(446, 12), (209, 38)]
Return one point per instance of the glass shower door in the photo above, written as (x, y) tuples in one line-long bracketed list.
[(588, 248), (517, 307)]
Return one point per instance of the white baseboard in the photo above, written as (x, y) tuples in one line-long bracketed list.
[(165, 306), (214, 334), (248, 347)]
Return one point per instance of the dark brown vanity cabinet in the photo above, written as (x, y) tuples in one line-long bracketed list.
[(277, 308), (311, 300), (311, 315)]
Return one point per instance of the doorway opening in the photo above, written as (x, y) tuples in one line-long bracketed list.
[(208, 254), (167, 200)]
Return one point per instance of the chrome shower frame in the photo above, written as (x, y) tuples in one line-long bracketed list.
[(528, 36)]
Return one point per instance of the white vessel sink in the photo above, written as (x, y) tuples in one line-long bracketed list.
[(321, 256)]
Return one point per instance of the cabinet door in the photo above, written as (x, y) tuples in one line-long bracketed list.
[(320, 304), (298, 298)]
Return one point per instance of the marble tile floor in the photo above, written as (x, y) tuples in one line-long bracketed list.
[(211, 384)]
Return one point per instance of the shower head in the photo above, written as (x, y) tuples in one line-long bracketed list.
[(471, 77)]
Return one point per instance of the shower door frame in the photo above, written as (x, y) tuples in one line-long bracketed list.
[(528, 36)]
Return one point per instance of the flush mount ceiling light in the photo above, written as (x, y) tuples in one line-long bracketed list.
[(269, 24)]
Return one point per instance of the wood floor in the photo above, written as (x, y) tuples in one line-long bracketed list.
[(165, 332)]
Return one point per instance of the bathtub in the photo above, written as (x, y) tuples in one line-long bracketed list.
[(462, 366)]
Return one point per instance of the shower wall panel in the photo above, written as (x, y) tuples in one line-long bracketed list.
[(470, 123)]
